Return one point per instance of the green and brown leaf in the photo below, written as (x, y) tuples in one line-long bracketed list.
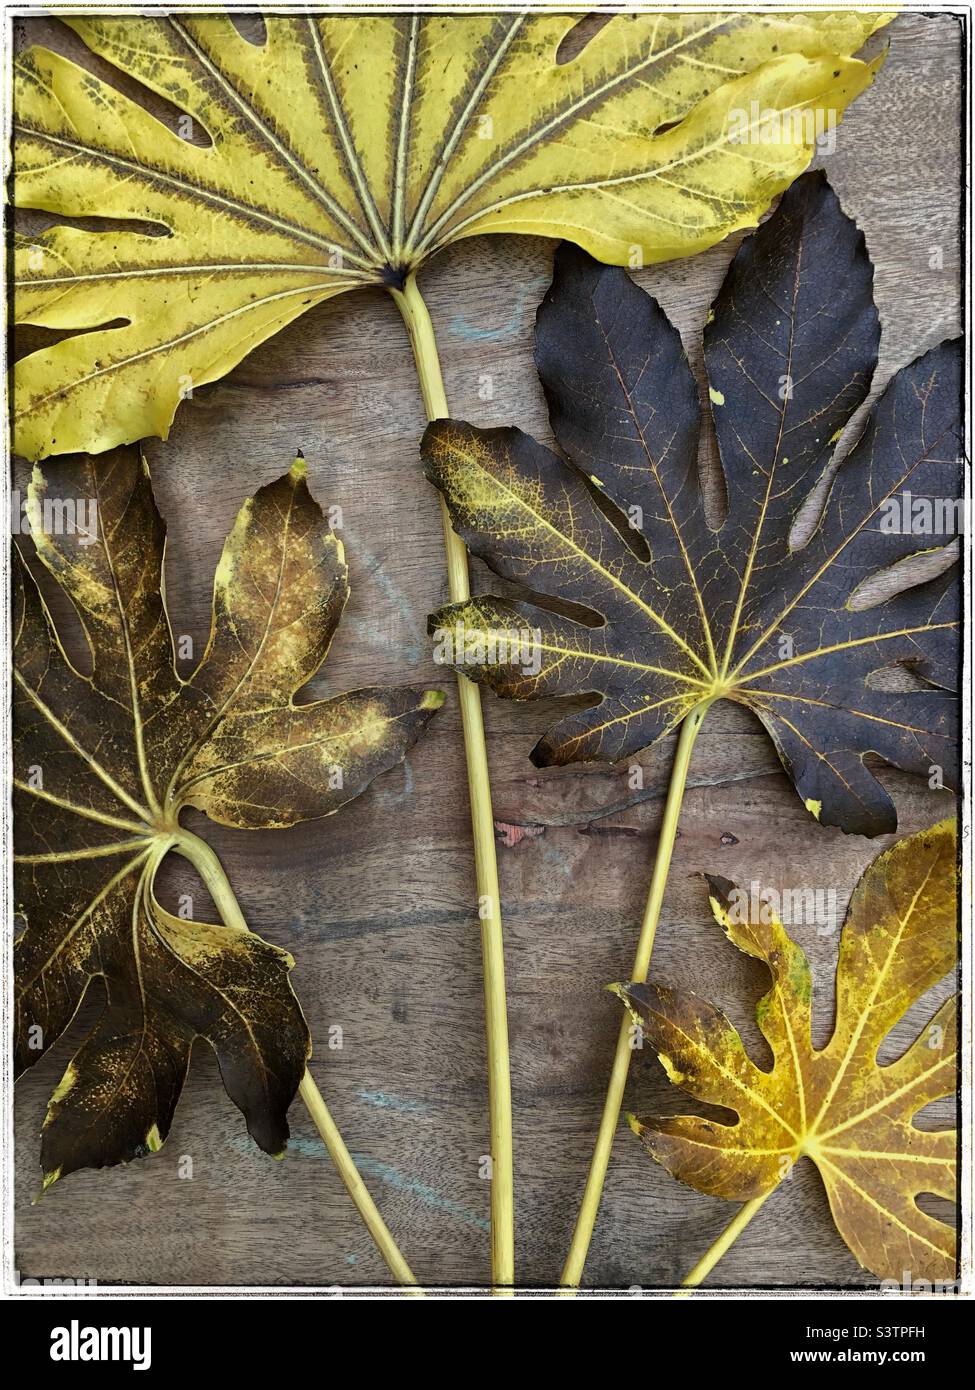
[(347, 150), (104, 765), (837, 1106), (680, 614)]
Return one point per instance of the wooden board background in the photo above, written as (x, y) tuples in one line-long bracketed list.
[(377, 903)]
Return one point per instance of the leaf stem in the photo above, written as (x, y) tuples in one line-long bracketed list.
[(208, 866), (723, 1244), (586, 1220), (411, 305), (356, 1188)]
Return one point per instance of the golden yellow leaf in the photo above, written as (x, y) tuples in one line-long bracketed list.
[(346, 151), (837, 1106)]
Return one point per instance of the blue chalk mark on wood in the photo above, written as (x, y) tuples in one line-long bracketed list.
[(383, 1172), (429, 1196), (460, 327), (383, 1101)]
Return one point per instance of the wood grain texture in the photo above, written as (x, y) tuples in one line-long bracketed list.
[(377, 904)]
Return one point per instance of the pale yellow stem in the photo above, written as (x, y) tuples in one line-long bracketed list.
[(208, 866), (417, 319), (722, 1245), (356, 1188), (586, 1220)]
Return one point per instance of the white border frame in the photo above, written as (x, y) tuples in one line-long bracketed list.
[(9, 1288)]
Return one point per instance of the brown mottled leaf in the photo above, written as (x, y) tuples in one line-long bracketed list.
[(346, 150), (838, 1106), (676, 614), (103, 767)]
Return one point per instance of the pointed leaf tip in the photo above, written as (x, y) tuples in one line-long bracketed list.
[(49, 1180)]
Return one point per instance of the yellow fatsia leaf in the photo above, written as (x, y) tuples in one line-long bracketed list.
[(346, 151), (838, 1106)]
